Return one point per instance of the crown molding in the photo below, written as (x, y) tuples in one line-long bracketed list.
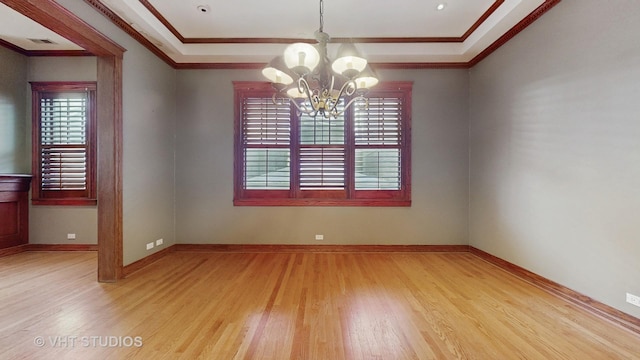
[(123, 25), (147, 4)]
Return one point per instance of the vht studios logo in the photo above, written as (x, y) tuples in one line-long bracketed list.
[(88, 341)]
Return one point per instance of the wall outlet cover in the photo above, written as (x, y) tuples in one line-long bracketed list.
[(633, 299), (150, 246)]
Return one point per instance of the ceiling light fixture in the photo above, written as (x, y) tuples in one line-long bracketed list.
[(320, 83), (441, 6), (203, 8)]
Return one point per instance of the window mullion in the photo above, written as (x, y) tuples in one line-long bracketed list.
[(295, 152), (349, 150)]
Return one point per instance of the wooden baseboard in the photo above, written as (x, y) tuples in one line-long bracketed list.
[(62, 247), (593, 306), (47, 247), (13, 250), (146, 261), (318, 248)]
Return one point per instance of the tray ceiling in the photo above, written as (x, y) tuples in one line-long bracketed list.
[(254, 31)]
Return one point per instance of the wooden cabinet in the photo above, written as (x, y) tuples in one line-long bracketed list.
[(14, 210)]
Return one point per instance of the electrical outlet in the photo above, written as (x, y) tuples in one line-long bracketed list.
[(159, 242), (71, 236), (633, 299), (319, 237), (150, 246)]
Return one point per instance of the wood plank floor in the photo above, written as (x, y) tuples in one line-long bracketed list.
[(292, 306)]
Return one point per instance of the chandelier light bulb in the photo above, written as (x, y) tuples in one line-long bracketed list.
[(276, 72), (349, 62), (302, 58)]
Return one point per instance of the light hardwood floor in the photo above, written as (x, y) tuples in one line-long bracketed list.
[(292, 306)]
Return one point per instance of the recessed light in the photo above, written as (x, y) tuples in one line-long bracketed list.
[(204, 8), (441, 6)]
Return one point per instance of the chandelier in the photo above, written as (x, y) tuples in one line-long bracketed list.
[(319, 82)]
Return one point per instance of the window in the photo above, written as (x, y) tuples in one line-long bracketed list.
[(361, 158), (64, 140)]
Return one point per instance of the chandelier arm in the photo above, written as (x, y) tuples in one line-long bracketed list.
[(277, 100), (314, 99), (303, 109), (348, 89), (335, 112)]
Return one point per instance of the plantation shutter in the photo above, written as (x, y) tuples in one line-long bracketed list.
[(378, 141), (286, 157), (321, 168), (322, 153), (266, 139), (63, 141)]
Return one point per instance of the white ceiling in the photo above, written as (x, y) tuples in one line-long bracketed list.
[(250, 31), (18, 30)]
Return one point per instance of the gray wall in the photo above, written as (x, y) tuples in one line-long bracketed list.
[(204, 182), (148, 158), (51, 224), (555, 149), (14, 156)]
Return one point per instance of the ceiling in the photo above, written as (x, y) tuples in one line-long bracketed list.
[(254, 31), (24, 35)]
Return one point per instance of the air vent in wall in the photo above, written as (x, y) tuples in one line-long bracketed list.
[(42, 41)]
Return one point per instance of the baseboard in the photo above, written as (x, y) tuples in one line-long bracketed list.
[(47, 247), (62, 247), (318, 248), (593, 306), (146, 261), (231, 248), (13, 250)]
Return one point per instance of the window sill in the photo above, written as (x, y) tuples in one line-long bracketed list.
[(322, 202)]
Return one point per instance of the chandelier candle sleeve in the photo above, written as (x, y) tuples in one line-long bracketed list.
[(301, 58), (349, 62)]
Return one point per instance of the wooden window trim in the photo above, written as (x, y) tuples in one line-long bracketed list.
[(86, 197), (347, 197)]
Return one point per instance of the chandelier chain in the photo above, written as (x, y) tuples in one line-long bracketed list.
[(321, 16)]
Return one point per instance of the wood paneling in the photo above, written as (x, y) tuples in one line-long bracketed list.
[(14, 210), (295, 306)]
